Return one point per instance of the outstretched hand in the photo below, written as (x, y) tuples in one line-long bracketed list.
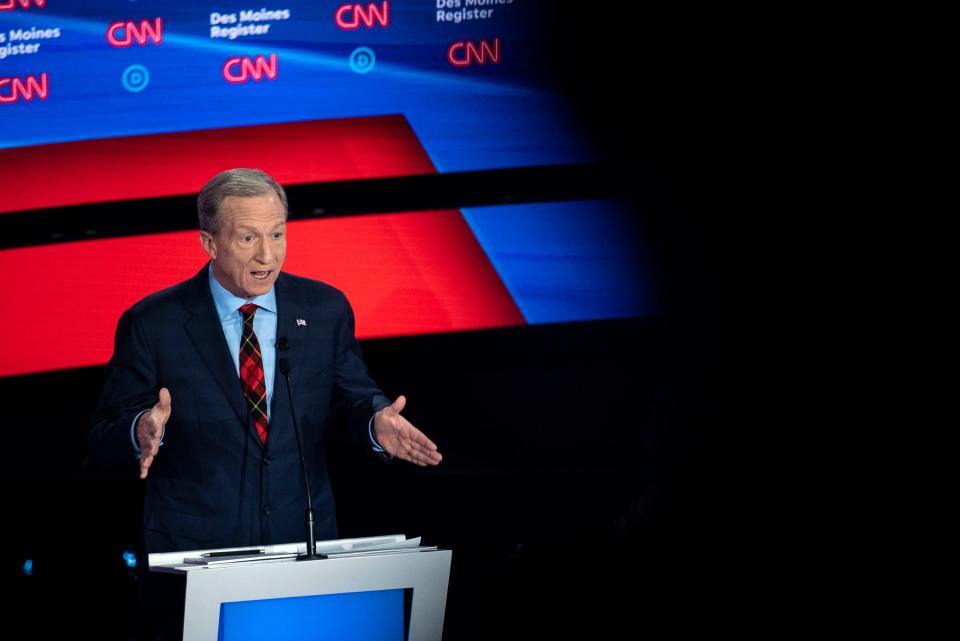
[(401, 439), (150, 430)]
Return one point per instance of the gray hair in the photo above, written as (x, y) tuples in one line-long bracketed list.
[(234, 182)]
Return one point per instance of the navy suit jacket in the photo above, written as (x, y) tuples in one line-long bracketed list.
[(213, 484)]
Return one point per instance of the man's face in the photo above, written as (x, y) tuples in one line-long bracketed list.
[(249, 248)]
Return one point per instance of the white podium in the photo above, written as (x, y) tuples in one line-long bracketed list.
[(413, 580)]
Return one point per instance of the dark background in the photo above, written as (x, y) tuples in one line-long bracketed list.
[(591, 475)]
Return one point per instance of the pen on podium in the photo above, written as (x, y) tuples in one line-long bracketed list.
[(234, 552)]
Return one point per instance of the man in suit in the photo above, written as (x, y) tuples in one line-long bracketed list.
[(194, 391)]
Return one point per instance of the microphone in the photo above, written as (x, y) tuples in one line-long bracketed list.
[(283, 345)]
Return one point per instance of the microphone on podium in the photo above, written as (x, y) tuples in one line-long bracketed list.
[(283, 345)]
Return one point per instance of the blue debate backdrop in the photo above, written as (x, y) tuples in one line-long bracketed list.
[(472, 78)]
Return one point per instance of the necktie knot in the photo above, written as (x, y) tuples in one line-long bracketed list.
[(248, 311)]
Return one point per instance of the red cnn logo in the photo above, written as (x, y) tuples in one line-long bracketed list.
[(237, 70), (125, 33), (10, 5), (25, 88), (464, 54), (381, 14)]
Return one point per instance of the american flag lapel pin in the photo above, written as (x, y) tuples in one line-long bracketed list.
[(301, 322)]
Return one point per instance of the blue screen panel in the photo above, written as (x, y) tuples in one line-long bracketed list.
[(479, 94), (355, 616), (567, 261)]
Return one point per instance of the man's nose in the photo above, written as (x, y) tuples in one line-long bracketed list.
[(264, 252)]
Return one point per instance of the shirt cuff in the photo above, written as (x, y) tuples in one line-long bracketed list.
[(384, 455), (373, 441)]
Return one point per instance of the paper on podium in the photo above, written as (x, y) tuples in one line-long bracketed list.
[(337, 547)]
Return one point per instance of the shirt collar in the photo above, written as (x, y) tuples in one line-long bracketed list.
[(227, 304)]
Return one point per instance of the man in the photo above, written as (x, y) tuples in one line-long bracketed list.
[(194, 389)]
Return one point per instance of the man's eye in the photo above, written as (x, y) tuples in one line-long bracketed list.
[(246, 238), (277, 235)]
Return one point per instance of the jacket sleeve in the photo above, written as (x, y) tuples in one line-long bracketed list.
[(356, 395), (129, 387)]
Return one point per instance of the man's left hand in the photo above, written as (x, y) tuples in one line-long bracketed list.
[(401, 439)]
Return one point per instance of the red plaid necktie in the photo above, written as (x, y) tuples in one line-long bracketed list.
[(251, 373)]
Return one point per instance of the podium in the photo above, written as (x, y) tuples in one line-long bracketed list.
[(355, 593)]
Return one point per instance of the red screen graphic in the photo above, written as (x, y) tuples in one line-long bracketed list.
[(409, 273), (93, 171)]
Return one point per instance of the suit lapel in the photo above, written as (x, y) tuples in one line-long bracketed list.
[(205, 331), (293, 323)]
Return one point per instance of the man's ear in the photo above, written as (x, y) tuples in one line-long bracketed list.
[(209, 244)]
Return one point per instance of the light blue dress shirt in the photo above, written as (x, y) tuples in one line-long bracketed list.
[(264, 326)]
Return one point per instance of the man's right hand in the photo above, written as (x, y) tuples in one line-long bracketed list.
[(150, 429)]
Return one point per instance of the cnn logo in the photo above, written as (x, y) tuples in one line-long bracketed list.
[(10, 5), (465, 53), (23, 88), (243, 69), (350, 16), (124, 33)]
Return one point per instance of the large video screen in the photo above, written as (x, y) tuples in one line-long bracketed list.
[(470, 79), (119, 101)]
